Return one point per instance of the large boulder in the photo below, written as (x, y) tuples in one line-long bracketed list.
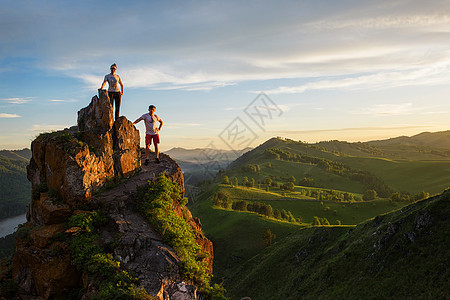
[(78, 161)]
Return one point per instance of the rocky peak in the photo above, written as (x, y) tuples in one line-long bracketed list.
[(96, 165), (78, 161)]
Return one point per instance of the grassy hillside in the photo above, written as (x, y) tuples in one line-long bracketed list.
[(237, 236), (24, 154), (15, 189), (399, 255), (439, 139), (349, 213), (397, 175), (325, 181)]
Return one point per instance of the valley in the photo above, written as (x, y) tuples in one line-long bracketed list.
[(328, 181)]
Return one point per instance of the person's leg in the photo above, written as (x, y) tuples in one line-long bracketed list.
[(156, 150), (111, 98), (156, 143), (117, 100), (148, 141)]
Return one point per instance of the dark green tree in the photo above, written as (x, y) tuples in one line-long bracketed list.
[(369, 195), (268, 237)]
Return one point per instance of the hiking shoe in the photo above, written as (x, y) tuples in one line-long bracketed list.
[(146, 162), (157, 160)]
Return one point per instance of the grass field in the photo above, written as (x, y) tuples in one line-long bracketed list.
[(305, 207), (404, 175), (238, 236), (372, 261)]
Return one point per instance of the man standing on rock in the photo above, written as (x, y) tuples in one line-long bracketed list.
[(114, 93), (151, 132)]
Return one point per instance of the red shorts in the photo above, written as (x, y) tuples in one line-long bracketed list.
[(150, 137)]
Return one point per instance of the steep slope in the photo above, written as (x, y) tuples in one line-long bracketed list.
[(399, 255)]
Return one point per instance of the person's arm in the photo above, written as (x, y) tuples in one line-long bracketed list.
[(121, 85), (160, 124), (138, 120), (103, 84)]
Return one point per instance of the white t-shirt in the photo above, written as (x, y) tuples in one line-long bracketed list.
[(113, 81), (150, 123)]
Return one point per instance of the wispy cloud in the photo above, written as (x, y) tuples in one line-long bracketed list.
[(200, 50), (388, 110), (432, 75), (16, 100), (46, 127), (182, 125), (372, 128), (62, 100), (7, 116)]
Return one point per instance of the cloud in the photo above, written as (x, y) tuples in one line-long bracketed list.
[(62, 100), (199, 46), (46, 127), (16, 100), (7, 116), (387, 110), (182, 125), (431, 75), (373, 128)]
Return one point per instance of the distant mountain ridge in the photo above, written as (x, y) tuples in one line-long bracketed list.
[(24, 154), (440, 139), (202, 154)]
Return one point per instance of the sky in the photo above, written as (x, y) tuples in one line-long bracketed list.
[(230, 74)]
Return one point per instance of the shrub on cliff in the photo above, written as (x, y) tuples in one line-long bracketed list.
[(113, 282), (156, 202)]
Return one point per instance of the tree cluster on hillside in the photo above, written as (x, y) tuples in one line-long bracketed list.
[(407, 197), (320, 221), (338, 168), (15, 189), (221, 199), (329, 195), (251, 168)]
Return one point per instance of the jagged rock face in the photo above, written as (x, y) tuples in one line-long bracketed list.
[(43, 268), (76, 162), (69, 166), (127, 154)]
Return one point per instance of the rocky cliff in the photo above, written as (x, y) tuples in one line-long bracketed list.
[(96, 167)]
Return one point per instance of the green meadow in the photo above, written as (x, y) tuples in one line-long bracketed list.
[(349, 213), (238, 236)]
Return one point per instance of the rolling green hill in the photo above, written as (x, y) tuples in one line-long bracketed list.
[(322, 183), (387, 174), (400, 255), (15, 189)]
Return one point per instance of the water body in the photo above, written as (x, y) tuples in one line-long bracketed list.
[(9, 225)]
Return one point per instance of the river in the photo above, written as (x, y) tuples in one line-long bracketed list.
[(8, 226)]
